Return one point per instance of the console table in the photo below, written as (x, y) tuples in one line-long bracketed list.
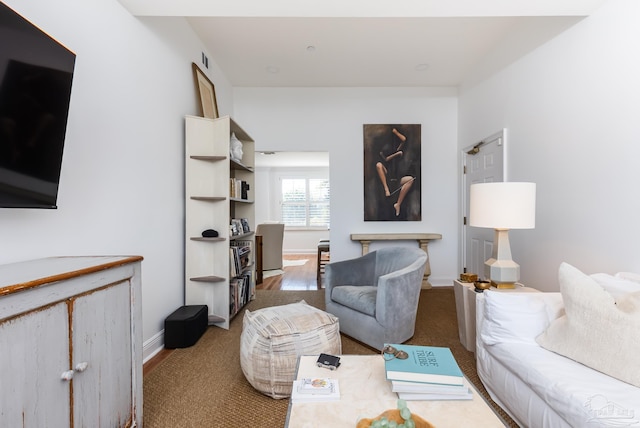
[(422, 238)]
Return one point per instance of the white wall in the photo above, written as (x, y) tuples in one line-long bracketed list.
[(121, 189), (571, 110), (332, 119)]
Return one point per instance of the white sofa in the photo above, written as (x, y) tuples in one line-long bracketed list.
[(540, 388)]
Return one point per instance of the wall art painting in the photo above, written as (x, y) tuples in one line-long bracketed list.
[(206, 93), (392, 181)]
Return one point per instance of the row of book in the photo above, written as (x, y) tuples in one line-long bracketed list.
[(239, 226), (428, 373), (240, 290), (240, 282), (238, 189), (240, 253)]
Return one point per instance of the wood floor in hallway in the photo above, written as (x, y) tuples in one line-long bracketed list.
[(298, 277)]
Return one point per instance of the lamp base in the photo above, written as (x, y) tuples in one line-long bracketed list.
[(503, 285)]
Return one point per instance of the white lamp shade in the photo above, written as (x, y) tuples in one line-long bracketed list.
[(503, 205)]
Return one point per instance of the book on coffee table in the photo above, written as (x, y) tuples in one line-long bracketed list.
[(309, 390), (429, 388), (320, 385), (424, 364), (415, 396)]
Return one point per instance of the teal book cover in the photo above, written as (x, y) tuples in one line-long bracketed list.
[(424, 364)]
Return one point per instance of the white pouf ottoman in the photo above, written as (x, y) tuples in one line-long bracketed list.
[(273, 338)]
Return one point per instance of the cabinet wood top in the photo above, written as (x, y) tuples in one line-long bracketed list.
[(20, 276)]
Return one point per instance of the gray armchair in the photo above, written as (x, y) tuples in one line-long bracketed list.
[(376, 296)]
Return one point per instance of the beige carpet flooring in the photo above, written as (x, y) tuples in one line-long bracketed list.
[(203, 385)]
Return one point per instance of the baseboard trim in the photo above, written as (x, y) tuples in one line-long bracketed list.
[(152, 346)]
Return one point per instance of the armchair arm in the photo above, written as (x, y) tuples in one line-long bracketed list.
[(398, 294)]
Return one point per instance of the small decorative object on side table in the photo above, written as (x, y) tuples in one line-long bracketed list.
[(468, 277), (481, 285)]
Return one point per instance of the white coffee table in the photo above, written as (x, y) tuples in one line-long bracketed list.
[(365, 393)]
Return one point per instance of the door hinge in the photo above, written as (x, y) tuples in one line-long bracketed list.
[(464, 220), (476, 149), (464, 169)]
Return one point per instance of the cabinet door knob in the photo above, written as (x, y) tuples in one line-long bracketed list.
[(80, 367), (68, 375)]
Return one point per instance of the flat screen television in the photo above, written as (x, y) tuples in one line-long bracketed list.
[(35, 89)]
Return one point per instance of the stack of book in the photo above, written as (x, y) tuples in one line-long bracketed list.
[(312, 390), (238, 189), (429, 373)]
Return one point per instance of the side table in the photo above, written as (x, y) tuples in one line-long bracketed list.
[(465, 296)]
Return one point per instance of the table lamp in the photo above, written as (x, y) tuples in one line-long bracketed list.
[(502, 206)]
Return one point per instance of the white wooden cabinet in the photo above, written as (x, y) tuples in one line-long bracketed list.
[(209, 205), (71, 342)]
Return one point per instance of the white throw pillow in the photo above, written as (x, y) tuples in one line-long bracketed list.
[(514, 317), (631, 276), (596, 331), (616, 286)]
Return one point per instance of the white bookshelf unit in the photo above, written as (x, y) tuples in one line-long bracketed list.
[(209, 204)]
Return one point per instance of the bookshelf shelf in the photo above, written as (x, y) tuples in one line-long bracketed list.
[(208, 158), (210, 278), (242, 201), (204, 239), (215, 319), (209, 198), (239, 166), (241, 236)]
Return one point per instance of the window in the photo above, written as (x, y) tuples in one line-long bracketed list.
[(305, 202)]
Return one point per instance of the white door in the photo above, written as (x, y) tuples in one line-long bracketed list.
[(483, 163)]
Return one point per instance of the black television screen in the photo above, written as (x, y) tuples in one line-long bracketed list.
[(35, 88)]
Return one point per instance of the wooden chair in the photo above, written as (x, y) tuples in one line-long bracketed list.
[(323, 248)]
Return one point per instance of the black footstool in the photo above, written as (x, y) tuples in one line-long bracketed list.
[(185, 325)]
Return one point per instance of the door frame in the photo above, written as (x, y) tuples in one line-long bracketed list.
[(462, 255)]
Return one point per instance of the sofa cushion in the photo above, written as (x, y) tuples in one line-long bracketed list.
[(596, 330), (361, 298), (517, 317), (566, 387)]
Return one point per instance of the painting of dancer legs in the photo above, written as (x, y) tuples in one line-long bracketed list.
[(392, 155)]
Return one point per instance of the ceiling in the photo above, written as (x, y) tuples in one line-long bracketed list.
[(367, 43)]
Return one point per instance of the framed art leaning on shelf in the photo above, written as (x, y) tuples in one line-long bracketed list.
[(206, 93)]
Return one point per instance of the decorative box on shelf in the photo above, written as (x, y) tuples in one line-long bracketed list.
[(468, 277)]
